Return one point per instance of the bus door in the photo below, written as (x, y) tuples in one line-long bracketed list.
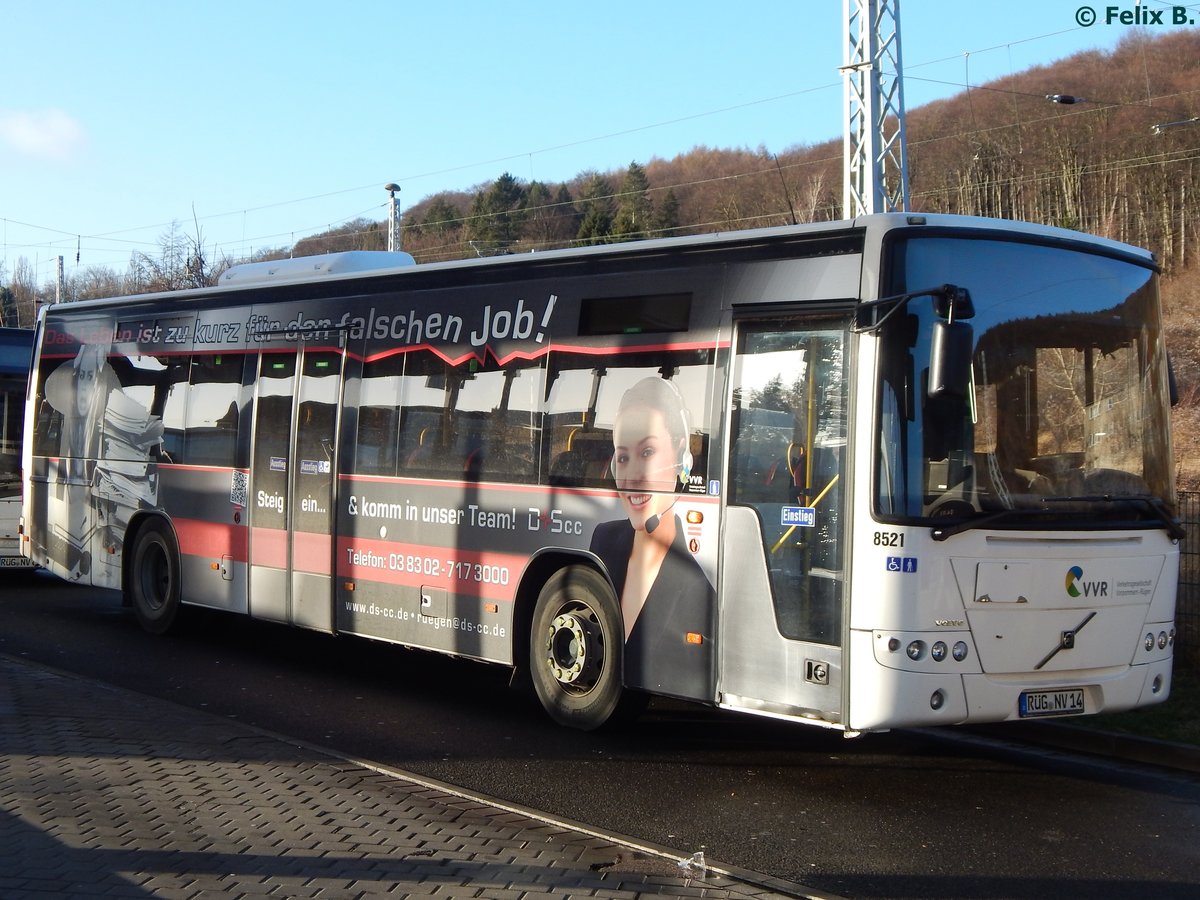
[(781, 594), (291, 485)]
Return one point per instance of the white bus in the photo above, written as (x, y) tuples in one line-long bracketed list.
[(16, 344), (902, 470)]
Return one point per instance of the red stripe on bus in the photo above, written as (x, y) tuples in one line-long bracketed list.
[(268, 547), (310, 552), (210, 539), (469, 572), (482, 355)]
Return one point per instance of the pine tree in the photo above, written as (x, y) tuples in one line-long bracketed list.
[(550, 219), (441, 218), (496, 215), (666, 222), (596, 199), (635, 210)]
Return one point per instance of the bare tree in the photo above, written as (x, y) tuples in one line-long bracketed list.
[(95, 282), (182, 262), (25, 295)]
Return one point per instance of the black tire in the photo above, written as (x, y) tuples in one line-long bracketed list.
[(153, 586), (576, 645)]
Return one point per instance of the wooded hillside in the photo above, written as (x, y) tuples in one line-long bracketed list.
[(1001, 149)]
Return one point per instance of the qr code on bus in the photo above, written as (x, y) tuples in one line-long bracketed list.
[(239, 489)]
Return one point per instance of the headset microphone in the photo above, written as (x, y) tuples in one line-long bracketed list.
[(655, 520)]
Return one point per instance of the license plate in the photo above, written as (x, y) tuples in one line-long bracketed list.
[(1051, 703), (15, 562)]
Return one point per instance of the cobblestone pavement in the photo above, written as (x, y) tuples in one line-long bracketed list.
[(107, 793)]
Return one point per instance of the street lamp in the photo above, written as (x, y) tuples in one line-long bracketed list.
[(393, 217)]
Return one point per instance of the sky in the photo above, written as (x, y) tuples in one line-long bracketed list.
[(258, 122)]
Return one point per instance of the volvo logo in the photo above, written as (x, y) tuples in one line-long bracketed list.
[(1066, 640)]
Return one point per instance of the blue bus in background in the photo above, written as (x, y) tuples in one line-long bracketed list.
[(16, 347)]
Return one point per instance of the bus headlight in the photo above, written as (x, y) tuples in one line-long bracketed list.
[(960, 651), (938, 651), (916, 649), (1149, 641)]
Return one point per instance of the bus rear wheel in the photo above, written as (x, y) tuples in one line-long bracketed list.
[(575, 649), (154, 579)]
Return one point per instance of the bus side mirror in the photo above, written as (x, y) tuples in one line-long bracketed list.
[(952, 302), (950, 351)]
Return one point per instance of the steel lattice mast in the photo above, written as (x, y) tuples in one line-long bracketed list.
[(875, 175)]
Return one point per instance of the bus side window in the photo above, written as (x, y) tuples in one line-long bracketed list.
[(582, 402), (424, 395), (375, 449), (465, 422), (130, 413), (579, 456), (213, 413), (47, 428), (569, 465), (499, 420), (378, 449), (173, 448)]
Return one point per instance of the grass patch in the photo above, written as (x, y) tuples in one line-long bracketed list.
[(1178, 719)]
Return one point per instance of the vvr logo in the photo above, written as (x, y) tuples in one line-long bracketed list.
[(1077, 587)]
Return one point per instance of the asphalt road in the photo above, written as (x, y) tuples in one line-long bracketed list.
[(896, 815)]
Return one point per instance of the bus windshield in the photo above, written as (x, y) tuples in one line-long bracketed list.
[(1064, 420)]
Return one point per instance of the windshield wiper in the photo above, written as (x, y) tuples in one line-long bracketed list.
[(941, 532), (1173, 526)]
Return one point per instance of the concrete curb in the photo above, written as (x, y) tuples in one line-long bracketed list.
[(1111, 744)]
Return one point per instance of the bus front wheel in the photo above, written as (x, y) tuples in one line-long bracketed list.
[(575, 649), (154, 579)]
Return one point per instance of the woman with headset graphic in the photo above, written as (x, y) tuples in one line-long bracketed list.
[(664, 594)]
